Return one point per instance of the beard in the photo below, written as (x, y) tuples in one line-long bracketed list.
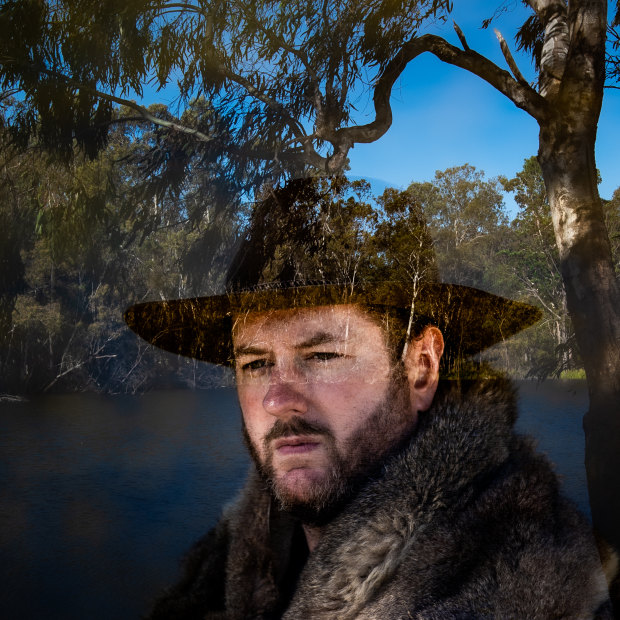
[(351, 464)]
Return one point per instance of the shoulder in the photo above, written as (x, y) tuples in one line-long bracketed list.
[(202, 584)]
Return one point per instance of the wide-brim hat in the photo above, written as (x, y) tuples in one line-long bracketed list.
[(201, 327), (281, 242)]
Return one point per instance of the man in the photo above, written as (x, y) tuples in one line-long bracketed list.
[(378, 491)]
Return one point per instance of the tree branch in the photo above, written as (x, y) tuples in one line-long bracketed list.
[(509, 58), (255, 92), (142, 111), (94, 355), (293, 156), (283, 44), (521, 94), (291, 49), (8, 93), (181, 6), (308, 156), (461, 36)]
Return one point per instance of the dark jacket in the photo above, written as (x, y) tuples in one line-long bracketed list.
[(465, 522)]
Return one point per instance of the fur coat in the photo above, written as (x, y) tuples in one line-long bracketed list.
[(465, 522)]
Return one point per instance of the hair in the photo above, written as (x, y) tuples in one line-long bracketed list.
[(395, 324)]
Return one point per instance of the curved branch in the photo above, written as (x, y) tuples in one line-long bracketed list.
[(522, 95), (8, 93), (178, 7)]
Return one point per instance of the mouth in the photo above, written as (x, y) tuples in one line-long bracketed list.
[(296, 445)]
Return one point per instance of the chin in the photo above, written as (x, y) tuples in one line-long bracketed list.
[(301, 485), (312, 496)]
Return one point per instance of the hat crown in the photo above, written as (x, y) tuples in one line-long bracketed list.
[(323, 231)]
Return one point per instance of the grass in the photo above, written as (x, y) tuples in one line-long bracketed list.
[(578, 373)]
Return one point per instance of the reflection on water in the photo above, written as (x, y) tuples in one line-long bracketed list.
[(100, 497)]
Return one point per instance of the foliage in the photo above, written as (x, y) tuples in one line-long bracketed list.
[(78, 250), (403, 243), (279, 83), (611, 209), (84, 258), (310, 230), (573, 374), (532, 256), (270, 69), (467, 218), (329, 229)]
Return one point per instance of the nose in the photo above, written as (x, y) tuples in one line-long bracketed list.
[(285, 395)]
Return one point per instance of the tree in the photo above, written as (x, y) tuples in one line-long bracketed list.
[(465, 214), (404, 247), (533, 257), (270, 70), (611, 209), (281, 81), (79, 243)]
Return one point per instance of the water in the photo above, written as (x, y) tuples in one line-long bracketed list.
[(552, 412), (100, 497)]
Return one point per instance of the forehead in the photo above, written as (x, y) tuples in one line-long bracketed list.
[(305, 325)]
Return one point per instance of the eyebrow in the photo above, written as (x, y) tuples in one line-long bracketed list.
[(314, 340), (319, 338), (249, 350)]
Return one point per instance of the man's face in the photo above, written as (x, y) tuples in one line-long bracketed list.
[(321, 401)]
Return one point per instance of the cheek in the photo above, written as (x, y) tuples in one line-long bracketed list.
[(248, 396), (255, 419), (347, 404)]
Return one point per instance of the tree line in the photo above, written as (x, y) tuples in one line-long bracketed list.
[(80, 242)]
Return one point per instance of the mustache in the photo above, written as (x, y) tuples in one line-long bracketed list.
[(295, 426)]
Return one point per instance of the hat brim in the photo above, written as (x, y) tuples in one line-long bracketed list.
[(201, 327)]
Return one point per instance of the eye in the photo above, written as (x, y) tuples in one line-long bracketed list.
[(324, 356), (255, 365)]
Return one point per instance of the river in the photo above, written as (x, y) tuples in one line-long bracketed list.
[(99, 497)]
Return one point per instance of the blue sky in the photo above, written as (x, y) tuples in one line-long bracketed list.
[(444, 116)]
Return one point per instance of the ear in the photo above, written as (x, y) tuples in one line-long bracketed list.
[(421, 361)]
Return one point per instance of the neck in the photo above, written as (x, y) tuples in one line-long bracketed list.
[(313, 535)]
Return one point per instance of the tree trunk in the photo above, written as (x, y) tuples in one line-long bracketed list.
[(574, 93), (566, 156)]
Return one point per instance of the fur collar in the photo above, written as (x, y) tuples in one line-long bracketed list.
[(413, 530)]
